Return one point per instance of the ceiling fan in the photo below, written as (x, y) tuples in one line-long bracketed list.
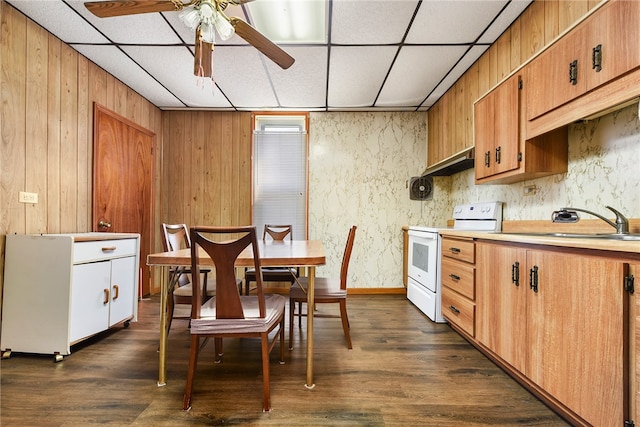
[(207, 18)]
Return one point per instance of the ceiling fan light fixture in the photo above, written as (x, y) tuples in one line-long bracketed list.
[(209, 20)]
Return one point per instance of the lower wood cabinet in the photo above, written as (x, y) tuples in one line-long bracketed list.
[(458, 283), (62, 288), (558, 318)]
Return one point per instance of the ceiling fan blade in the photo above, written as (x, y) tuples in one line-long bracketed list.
[(106, 9), (263, 44)]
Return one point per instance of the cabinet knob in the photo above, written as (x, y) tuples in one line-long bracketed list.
[(104, 224), (573, 72)]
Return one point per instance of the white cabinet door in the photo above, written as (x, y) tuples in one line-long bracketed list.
[(90, 295), (123, 292)]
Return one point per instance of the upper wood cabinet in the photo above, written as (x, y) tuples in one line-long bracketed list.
[(496, 120), (603, 47), (503, 156)]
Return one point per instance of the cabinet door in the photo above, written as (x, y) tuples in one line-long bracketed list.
[(501, 290), (483, 124), (89, 299), (547, 78), (576, 333), (496, 124), (123, 292), (614, 32)]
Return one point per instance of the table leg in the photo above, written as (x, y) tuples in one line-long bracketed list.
[(310, 309), (162, 353)]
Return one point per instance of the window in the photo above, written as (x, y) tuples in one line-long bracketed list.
[(280, 172)]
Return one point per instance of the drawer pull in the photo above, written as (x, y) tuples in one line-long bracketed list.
[(116, 288), (454, 309), (109, 249), (106, 297), (515, 273), (455, 250), (454, 277)]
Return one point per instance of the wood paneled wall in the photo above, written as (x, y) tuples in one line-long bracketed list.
[(451, 118), (46, 127), (207, 168)]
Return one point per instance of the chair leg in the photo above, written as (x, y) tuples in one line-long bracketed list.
[(171, 306), (281, 332), (300, 314), (193, 359), (265, 371), (218, 349), (345, 322), (292, 313)]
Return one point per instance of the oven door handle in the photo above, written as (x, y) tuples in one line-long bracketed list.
[(423, 235)]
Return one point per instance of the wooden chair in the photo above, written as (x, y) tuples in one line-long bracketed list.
[(176, 236), (229, 314), (325, 291), (273, 274)]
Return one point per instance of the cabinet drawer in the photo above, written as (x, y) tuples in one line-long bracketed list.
[(459, 249), (458, 310), (459, 276), (103, 249)]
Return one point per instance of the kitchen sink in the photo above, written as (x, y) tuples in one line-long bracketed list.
[(607, 236)]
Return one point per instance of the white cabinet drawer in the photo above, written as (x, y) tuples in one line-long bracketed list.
[(103, 249)]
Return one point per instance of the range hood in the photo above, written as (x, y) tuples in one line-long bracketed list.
[(457, 163)]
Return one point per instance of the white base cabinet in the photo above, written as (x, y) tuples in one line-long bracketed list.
[(62, 288)]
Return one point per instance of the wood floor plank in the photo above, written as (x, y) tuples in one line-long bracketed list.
[(403, 370)]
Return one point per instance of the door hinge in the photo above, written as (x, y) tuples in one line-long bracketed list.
[(628, 284), (629, 423)]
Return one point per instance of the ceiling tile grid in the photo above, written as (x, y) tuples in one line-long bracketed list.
[(377, 55)]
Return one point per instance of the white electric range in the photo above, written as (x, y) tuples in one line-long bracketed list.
[(424, 285)]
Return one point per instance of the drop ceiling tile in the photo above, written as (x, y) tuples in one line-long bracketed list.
[(416, 72), (172, 66), (303, 85), (370, 21), (244, 89), (356, 74), (510, 14), (60, 20), (143, 28), (458, 70), (451, 22), (111, 59)]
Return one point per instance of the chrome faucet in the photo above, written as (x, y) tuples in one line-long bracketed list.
[(569, 215)]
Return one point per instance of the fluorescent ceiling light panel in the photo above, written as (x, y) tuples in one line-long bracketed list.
[(290, 21)]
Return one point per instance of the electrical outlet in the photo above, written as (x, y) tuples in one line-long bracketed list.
[(25, 197), (530, 190)]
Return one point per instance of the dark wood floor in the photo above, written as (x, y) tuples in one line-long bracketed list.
[(403, 370)]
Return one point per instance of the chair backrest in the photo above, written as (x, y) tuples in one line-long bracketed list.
[(176, 236), (223, 246), (277, 232), (346, 257)]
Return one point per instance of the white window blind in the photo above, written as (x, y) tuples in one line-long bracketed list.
[(280, 178)]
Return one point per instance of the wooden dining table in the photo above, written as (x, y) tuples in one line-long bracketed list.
[(296, 253)]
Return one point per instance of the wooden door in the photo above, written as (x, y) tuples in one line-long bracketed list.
[(122, 181)]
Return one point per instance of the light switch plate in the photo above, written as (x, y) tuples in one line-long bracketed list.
[(25, 197)]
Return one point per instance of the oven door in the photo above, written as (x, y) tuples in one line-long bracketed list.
[(423, 258)]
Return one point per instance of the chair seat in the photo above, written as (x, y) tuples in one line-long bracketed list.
[(186, 290), (323, 288), (252, 322)]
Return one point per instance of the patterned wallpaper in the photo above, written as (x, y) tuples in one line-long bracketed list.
[(360, 165)]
